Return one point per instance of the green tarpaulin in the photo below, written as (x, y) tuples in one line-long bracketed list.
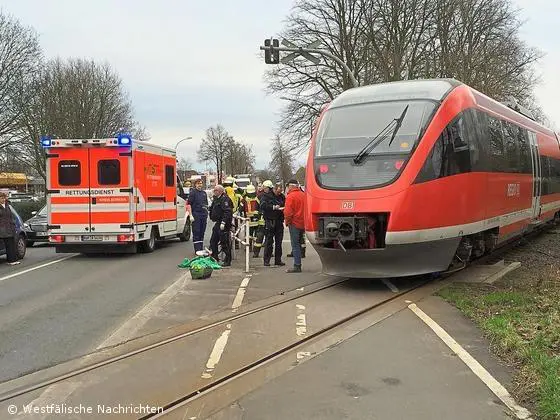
[(200, 262)]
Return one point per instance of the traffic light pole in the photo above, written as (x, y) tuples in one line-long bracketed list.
[(302, 51)]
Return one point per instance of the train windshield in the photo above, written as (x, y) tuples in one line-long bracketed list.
[(345, 132)]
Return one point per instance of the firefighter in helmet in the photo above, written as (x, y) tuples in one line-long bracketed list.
[(251, 209)]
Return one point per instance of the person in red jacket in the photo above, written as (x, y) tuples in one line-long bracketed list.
[(294, 211)]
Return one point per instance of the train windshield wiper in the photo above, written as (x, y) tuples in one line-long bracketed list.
[(376, 140)]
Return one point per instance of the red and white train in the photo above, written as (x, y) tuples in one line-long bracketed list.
[(408, 177)]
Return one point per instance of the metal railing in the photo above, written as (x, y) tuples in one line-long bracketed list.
[(245, 241)]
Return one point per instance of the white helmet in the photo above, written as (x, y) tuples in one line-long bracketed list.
[(250, 189), (268, 184)]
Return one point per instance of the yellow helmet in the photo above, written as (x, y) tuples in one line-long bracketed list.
[(229, 181), (250, 189)]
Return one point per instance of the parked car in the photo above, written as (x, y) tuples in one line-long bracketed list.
[(37, 231), (21, 239), (23, 198)]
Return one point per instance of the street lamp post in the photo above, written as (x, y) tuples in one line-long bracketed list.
[(181, 141)]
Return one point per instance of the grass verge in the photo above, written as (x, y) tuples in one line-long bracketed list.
[(520, 315)]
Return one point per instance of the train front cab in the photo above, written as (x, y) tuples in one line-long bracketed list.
[(461, 176)]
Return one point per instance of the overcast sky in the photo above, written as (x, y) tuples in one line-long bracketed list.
[(190, 64)]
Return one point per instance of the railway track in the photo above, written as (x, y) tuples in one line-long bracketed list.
[(177, 386)]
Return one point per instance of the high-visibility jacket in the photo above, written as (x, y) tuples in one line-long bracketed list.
[(233, 197)]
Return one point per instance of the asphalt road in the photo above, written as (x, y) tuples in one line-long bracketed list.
[(66, 309)]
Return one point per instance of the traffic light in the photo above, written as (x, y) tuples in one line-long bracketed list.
[(271, 54)]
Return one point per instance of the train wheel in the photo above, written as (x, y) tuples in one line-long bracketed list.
[(464, 250)]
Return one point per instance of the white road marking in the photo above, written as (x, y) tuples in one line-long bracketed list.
[(302, 354), (240, 294), (300, 289), (221, 341), (301, 323), (58, 393), (391, 286), (130, 327), (216, 354), (19, 273), (494, 386)]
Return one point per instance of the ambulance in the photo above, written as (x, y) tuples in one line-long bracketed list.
[(113, 195)]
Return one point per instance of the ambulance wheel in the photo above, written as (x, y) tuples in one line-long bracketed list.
[(186, 235), (150, 245)]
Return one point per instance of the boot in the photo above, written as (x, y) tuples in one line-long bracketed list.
[(280, 263), (296, 269), (302, 252), (291, 255)]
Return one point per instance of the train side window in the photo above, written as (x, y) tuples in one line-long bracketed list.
[(109, 172), (169, 176), (511, 147), (545, 175), (524, 151), (479, 141), (460, 155), (69, 173), (451, 153), (555, 175), (498, 162)]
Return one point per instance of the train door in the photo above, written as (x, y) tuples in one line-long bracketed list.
[(537, 177), (68, 203)]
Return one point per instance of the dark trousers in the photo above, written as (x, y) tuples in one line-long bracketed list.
[(259, 234), (274, 233), (198, 230), (10, 245), (220, 237), (295, 239)]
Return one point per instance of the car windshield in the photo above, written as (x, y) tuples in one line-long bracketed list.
[(241, 183), (42, 212), (346, 130)]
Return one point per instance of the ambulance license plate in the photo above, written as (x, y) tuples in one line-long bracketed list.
[(92, 238)]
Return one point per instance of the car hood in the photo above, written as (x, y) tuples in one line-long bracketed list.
[(37, 220)]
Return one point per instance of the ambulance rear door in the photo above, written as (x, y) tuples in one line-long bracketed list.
[(68, 203), (111, 203)]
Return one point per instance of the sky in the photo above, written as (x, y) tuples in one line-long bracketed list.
[(189, 65)]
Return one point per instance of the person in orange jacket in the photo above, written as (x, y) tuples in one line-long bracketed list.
[(294, 216)]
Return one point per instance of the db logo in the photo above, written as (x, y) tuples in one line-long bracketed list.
[(513, 190), (347, 205)]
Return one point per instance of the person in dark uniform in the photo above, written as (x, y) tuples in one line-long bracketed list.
[(198, 200), (221, 213), (8, 230), (272, 206)]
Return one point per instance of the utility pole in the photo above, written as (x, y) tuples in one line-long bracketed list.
[(272, 50)]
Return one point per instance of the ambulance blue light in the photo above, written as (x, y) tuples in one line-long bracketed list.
[(124, 140), (46, 142)]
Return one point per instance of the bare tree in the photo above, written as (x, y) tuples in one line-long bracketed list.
[(73, 98), (282, 161), (300, 175), (475, 41), (184, 164), (240, 158), (214, 148), (20, 56)]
